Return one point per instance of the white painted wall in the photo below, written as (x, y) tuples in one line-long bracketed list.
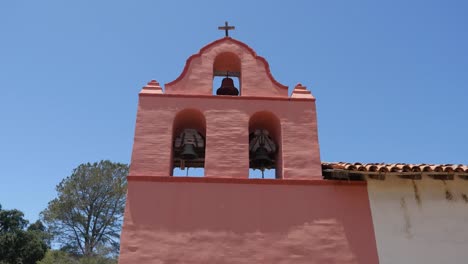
[(433, 230)]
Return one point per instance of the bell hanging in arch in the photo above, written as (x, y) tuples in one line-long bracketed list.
[(227, 87), (260, 159), (188, 146), (261, 150), (188, 153)]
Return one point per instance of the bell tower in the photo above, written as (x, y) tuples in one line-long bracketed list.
[(256, 125), (225, 217)]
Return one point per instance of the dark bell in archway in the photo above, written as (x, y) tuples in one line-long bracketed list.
[(188, 153), (227, 87), (261, 159)]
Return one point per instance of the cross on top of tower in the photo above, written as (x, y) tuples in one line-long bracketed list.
[(226, 28)]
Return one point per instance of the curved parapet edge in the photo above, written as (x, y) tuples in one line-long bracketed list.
[(217, 42)]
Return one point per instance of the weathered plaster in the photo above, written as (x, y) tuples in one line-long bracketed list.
[(420, 221)]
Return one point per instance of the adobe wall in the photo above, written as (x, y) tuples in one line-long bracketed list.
[(201, 220), (420, 221), (227, 125)]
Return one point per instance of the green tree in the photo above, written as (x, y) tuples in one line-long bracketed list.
[(56, 257), (61, 257), (86, 216), (97, 260), (18, 245)]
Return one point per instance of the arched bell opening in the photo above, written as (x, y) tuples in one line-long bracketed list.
[(188, 143), (226, 74), (265, 151)]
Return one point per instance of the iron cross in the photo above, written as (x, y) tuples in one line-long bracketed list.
[(226, 28)]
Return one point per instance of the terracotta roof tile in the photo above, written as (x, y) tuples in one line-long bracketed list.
[(396, 167), (382, 168), (415, 168)]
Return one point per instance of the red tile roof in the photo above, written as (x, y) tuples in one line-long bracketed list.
[(395, 167), (404, 170)]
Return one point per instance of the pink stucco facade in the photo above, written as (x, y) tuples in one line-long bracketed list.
[(225, 217), (227, 134), (203, 220)]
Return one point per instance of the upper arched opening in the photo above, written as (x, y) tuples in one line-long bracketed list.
[(227, 69), (227, 63)]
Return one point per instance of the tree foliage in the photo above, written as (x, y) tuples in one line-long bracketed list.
[(61, 257), (86, 217), (57, 256), (20, 245)]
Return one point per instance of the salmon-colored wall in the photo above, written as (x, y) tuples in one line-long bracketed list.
[(227, 128), (203, 220)]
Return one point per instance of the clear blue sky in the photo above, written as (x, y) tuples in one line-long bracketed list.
[(390, 77)]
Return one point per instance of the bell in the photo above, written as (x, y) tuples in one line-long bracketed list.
[(227, 87), (260, 159), (188, 153)]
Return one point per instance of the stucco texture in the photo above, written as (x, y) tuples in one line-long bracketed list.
[(199, 222), (227, 129)]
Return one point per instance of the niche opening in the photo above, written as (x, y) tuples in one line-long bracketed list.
[(188, 144), (265, 152)]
